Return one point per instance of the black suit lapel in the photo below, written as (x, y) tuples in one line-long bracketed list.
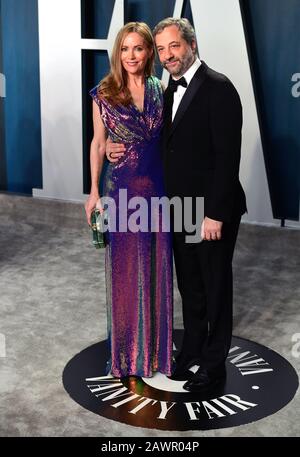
[(167, 114), (192, 89)]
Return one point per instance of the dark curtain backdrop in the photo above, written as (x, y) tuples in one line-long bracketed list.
[(22, 118), (272, 33), (3, 183), (272, 30)]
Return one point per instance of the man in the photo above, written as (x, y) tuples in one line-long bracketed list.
[(201, 156)]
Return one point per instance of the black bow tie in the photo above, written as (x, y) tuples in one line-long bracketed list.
[(173, 84)]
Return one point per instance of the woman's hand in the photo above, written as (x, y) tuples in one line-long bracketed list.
[(92, 202), (114, 151)]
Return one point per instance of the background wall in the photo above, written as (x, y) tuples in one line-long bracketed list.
[(54, 51), (3, 183), (222, 45), (20, 118), (272, 30)]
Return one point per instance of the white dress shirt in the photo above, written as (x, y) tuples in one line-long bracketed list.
[(188, 75)]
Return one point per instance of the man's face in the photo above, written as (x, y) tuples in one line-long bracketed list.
[(175, 54)]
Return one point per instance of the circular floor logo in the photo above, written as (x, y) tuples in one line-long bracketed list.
[(259, 382)]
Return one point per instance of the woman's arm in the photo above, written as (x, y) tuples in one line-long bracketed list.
[(97, 154)]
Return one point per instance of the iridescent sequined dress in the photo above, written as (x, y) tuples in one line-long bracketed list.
[(138, 265)]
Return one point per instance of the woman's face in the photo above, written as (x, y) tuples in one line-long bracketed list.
[(134, 54)]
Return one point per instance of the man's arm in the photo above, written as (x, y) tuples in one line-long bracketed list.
[(114, 151), (225, 124)]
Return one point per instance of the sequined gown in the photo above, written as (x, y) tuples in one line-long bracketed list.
[(138, 265)]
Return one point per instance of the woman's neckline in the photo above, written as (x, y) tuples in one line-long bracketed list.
[(144, 100)]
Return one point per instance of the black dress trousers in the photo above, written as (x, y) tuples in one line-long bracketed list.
[(204, 276)]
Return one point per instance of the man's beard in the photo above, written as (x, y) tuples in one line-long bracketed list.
[(184, 64)]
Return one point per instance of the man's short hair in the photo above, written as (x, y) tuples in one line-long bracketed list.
[(183, 24)]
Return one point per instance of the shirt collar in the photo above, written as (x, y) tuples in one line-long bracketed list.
[(188, 75)]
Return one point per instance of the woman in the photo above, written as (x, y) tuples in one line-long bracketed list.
[(127, 106)]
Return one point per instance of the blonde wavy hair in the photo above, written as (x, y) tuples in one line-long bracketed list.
[(113, 86)]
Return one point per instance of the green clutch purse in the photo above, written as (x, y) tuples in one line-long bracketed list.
[(99, 237)]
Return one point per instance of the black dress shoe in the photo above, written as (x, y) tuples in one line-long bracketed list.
[(204, 379), (182, 371)]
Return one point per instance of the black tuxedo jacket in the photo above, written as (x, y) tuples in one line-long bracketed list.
[(202, 146)]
